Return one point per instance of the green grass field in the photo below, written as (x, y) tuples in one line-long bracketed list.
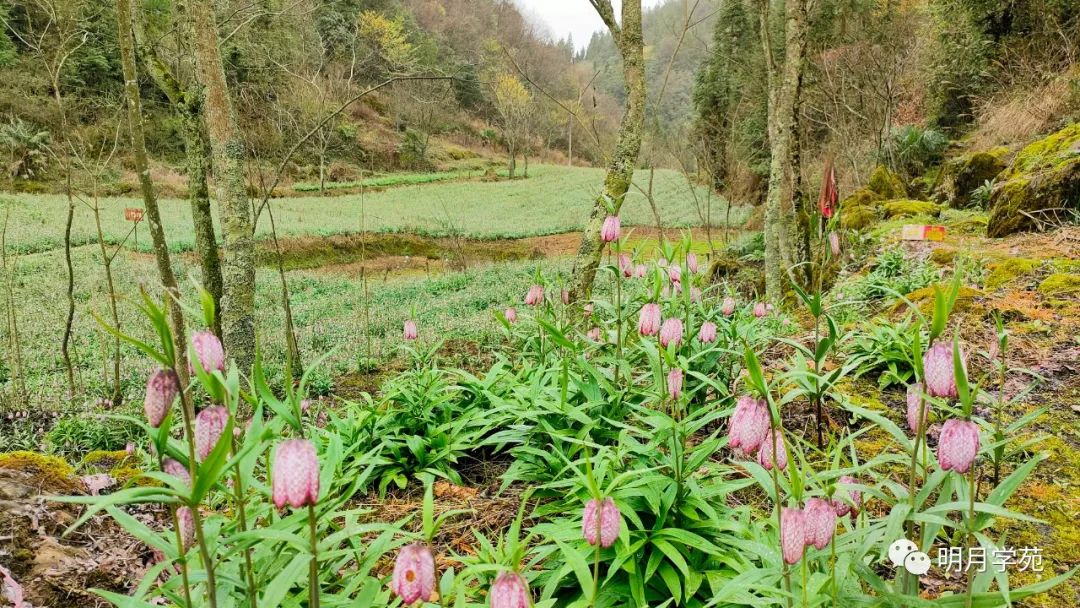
[(327, 306), (552, 200)]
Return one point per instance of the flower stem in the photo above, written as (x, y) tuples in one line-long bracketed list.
[(971, 533), (313, 570), (183, 557)]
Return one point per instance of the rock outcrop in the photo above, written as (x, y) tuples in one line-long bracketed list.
[(1041, 188)]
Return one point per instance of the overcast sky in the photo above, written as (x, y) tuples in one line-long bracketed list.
[(576, 17)]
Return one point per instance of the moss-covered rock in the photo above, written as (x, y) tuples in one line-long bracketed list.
[(961, 176), (860, 209), (1008, 270), (1043, 182), (910, 208), (886, 184), (51, 471)]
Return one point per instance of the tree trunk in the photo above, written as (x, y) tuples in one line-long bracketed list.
[(513, 162), (238, 266), (628, 38), (197, 150), (153, 214), (782, 88), (198, 168)]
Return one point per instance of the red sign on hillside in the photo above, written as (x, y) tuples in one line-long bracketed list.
[(133, 214)]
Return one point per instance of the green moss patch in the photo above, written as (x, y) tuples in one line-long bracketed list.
[(886, 184), (1006, 271), (52, 471), (861, 209), (910, 208), (1042, 184), (1060, 285)]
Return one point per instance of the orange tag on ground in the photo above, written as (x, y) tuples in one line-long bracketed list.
[(133, 214), (922, 232)]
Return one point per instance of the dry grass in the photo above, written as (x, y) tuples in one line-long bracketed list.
[(1022, 113)]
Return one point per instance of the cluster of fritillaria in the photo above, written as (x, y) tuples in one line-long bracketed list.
[(414, 576)]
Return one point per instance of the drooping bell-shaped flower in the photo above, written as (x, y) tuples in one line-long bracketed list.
[(593, 334), (834, 243), (958, 445), (162, 387), (692, 262), (760, 310), (626, 266), (509, 591), (408, 331), (674, 383), (820, 519), (792, 534), (765, 452), (695, 294), (535, 296), (649, 319), (729, 306), (610, 230), (918, 409), (186, 523), (671, 332), (296, 474), (707, 333), (129, 449), (209, 425), (177, 470), (414, 574), (609, 518), (675, 273), (565, 297), (749, 425), (842, 508), (640, 271), (207, 348), (511, 315), (939, 372), (587, 309)]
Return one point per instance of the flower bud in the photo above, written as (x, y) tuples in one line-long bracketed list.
[(915, 403), (765, 452), (792, 534), (161, 390), (729, 306), (749, 425), (707, 333), (820, 520), (177, 470), (609, 518), (760, 310), (296, 474), (626, 266), (671, 332), (206, 346), (692, 262), (509, 591), (535, 296), (939, 371), (409, 330), (958, 445), (186, 523), (610, 230), (649, 319), (511, 315), (414, 574), (674, 383), (209, 425)]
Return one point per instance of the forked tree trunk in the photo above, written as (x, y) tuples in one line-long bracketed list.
[(188, 107), (629, 40), (153, 214), (238, 266)]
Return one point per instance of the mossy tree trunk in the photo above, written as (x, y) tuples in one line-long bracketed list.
[(227, 145), (126, 37), (188, 107), (783, 86), (628, 38)]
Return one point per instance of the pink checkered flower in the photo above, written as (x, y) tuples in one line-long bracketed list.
[(671, 332), (296, 474), (609, 518), (209, 425), (162, 387), (414, 574), (749, 425), (649, 319), (958, 445)]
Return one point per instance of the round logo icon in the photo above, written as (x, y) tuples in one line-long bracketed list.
[(899, 550), (917, 563)]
